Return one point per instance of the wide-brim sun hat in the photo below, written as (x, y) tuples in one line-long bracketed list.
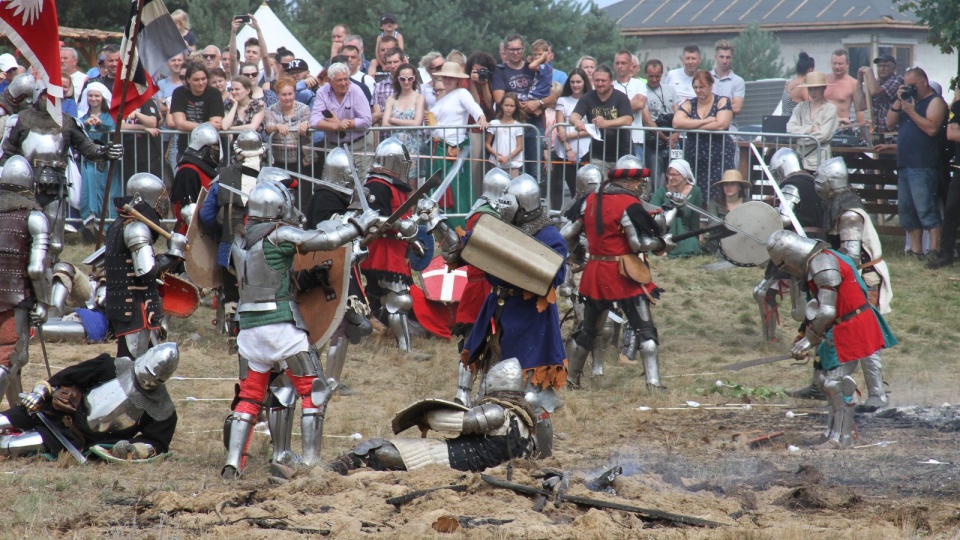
[(451, 69), (815, 79), (732, 176)]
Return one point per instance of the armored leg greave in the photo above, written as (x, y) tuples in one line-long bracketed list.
[(628, 352), (600, 346), (766, 297), (464, 385), (841, 389), (311, 429), (10, 381), (28, 442), (544, 435), (400, 326), (336, 357), (650, 354), (873, 377), (56, 212), (576, 359), (237, 430), (280, 421), (60, 330)]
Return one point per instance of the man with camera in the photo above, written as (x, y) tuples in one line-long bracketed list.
[(919, 113), (661, 102)]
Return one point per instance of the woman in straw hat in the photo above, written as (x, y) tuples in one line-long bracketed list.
[(818, 118), (454, 107), (680, 180), (734, 191)]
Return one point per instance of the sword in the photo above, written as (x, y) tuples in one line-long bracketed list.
[(319, 182), (361, 195), (63, 440), (725, 224), (777, 190), (758, 362), (451, 175), (411, 201), (43, 349)]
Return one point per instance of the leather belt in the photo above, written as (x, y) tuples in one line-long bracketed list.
[(39, 163), (869, 264), (847, 316), (604, 258), (506, 292)]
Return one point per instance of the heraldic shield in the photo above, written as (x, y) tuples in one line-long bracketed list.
[(323, 307)]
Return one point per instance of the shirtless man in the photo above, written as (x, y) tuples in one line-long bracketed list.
[(840, 86)]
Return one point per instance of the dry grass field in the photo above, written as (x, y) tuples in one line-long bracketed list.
[(675, 458)]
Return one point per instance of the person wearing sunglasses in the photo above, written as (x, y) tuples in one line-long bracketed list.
[(211, 56), (405, 108)]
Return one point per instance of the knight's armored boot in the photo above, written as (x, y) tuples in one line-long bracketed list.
[(650, 354), (464, 385), (873, 378), (813, 391), (849, 388), (237, 430), (544, 436), (336, 358), (769, 316), (834, 398), (311, 429), (576, 359), (280, 421), (400, 326), (628, 354), (600, 347)]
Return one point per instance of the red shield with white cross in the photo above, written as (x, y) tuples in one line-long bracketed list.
[(442, 285)]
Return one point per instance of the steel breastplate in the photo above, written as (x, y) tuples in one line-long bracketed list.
[(48, 147), (259, 284), (109, 408)]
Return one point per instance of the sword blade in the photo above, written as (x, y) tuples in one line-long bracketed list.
[(758, 362), (451, 175), (361, 195), (324, 183), (60, 437), (411, 201), (776, 189), (43, 348)]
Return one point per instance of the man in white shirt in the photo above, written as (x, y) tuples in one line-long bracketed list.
[(354, 61), (681, 79), (661, 104), (636, 92), (68, 67), (726, 83)]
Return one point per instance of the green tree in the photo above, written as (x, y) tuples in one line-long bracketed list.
[(943, 18), (108, 15), (466, 25), (210, 19), (758, 54)]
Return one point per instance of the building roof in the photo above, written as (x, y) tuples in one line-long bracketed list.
[(661, 17), (84, 34)]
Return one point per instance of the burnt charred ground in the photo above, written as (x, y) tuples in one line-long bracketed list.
[(691, 461)]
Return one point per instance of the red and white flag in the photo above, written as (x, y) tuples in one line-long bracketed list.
[(33, 29), (158, 40)]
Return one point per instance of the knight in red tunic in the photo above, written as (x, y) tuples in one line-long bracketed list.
[(387, 268), (620, 231), (841, 325), (195, 171)]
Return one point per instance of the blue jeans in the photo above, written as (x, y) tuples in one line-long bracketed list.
[(917, 203)]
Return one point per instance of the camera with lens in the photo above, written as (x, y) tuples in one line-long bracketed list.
[(909, 92), (381, 76), (484, 74)]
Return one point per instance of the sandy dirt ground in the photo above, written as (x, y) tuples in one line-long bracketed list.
[(902, 482)]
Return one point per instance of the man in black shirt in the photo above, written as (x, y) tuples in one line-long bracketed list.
[(951, 205), (608, 110)]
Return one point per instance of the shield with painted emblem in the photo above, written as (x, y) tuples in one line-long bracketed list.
[(201, 261), (323, 306), (441, 284), (414, 414), (760, 220)]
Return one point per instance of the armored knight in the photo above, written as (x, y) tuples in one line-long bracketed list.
[(840, 326), (493, 432), (621, 230), (24, 289), (224, 210), (386, 268), (588, 180), (851, 232), (494, 185), (78, 300), (196, 170), (513, 322), (133, 304), (272, 331), (326, 204), (35, 135), (105, 400)]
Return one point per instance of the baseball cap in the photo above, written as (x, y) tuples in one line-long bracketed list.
[(296, 65), (8, 62), (388, 17), (885, 58)]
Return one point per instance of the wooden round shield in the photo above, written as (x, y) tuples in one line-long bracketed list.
[(323, 307), (442, 285), (760, 220), (201, 261)]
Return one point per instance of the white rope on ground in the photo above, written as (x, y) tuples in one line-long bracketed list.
[(178, 378)]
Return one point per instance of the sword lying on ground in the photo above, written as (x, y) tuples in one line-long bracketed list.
[(759, 362), (60, 437)]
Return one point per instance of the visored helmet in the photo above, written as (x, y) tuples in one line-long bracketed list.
[(831, 178), (392, 155), (22, 88), (589, 178), (495, 182), (152, 190), (784, 163), (791, 252), (157, 365), (338, 168), (525, 191)]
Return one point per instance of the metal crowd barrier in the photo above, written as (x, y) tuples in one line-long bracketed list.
[(715, 152)]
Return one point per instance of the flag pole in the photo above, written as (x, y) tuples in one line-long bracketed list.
[(117, 139)]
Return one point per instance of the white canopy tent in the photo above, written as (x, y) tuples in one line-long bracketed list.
[(276, 35)]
